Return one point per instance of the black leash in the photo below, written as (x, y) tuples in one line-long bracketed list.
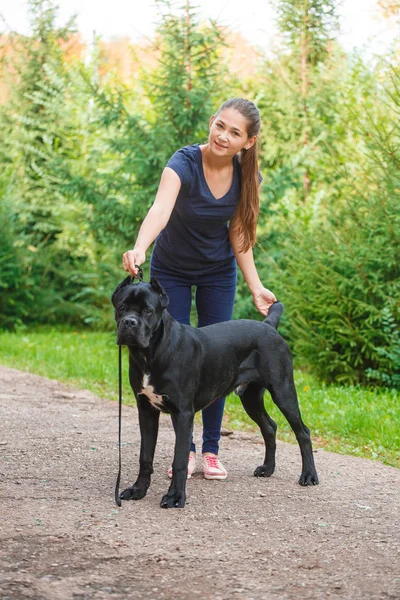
[(139, 276), (117, 498)]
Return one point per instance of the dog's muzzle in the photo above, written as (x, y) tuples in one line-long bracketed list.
[(129, 323), (129, 332)]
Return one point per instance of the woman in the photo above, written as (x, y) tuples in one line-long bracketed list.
[(204, 218)]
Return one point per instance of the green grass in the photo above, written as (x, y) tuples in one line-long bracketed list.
[(348, 420)]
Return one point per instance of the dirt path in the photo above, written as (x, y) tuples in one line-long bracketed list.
[(62, 536)]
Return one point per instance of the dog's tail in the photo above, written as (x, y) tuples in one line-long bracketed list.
[(274, 314)]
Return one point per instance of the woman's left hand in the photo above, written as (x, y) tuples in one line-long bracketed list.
[(263, 299)]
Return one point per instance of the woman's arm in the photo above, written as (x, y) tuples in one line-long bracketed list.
[(262, 297), (155, 220)]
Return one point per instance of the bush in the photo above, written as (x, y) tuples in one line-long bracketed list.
[(339, 267)]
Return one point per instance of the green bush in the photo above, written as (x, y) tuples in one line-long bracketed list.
[(14, 297), (391, 377), (339, 264)]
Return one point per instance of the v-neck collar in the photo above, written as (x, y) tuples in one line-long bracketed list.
[(200, 158)]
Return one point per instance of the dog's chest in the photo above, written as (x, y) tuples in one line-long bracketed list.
[(147, 390)]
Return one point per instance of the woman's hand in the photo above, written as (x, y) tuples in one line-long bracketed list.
[(132, 258), (263, 299)]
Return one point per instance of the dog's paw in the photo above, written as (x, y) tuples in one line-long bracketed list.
[(310, 478), (133, 493), (173, 500), (264, 471)]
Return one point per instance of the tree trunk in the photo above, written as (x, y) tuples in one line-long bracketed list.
[(305, 84)]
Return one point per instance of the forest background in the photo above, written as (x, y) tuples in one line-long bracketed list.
[(84, 141)]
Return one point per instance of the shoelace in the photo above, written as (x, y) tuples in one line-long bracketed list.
[(212, 461)]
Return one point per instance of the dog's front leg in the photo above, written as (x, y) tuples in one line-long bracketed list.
[(148, 422), (176, 495)]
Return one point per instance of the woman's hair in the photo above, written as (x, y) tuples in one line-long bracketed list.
[(246, 215)]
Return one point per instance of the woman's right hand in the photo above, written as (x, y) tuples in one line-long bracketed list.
[(132, 258)]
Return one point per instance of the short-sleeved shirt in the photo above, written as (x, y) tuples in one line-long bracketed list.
[(196, 237)]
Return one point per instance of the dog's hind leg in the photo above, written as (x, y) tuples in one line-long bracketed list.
[(253, 403), (284, 395), (148, 422)]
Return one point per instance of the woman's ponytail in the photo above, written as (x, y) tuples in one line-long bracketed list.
[(246, 215)]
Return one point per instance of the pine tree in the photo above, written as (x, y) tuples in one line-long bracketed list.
[(299, 88), (36, 111), (345, 277), (338, 269), (167, 108), (43, 151)]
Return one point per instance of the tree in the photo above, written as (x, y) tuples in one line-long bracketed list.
[(330, 232), (166, 109), (342, 276), (43, 142), (307, 28), (297, 91)]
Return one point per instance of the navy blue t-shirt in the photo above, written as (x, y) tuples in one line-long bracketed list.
[(196, 236)]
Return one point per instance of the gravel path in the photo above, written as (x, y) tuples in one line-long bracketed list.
[(62, 537)]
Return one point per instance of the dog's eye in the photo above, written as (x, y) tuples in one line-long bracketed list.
[(121, 307), (147, 311)]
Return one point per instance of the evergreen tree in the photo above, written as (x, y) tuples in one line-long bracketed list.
[(329, 238), (345, 277), (166, 109), (340, 274), (44, 131), (36, 112), (301, 78), (297, 90)]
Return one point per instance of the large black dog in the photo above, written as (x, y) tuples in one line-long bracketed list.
[(179, 369)]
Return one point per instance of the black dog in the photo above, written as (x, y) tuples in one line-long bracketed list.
[(179, 369)]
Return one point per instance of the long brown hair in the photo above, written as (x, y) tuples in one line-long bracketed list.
[(246, 215)]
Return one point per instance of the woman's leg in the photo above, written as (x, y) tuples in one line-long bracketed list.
[(214, 303)]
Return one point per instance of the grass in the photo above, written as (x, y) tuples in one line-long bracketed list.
[(348, 420)]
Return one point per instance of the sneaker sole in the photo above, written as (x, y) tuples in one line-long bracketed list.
[(221, 477), (188, 477)]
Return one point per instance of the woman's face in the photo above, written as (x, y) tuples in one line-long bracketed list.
[(228, 133)]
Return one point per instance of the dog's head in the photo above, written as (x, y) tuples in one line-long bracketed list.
[(138, 311)]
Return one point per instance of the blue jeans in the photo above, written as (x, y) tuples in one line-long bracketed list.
[(214, 298)]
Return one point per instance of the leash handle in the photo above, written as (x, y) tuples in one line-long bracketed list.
[(139, 274), (117, 497)]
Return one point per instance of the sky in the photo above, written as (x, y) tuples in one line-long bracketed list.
[(361, 24)]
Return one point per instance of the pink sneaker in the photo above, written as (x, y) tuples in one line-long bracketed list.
[(212, 468), (191, 466)]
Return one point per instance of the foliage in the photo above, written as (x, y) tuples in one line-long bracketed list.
[(166, 108), (83, 158), (49, 223), (14, 298), (391, 352), (329, 233), (341, 263), (81, 154)]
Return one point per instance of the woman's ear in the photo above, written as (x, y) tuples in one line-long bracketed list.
[(250, 142), (211, 121)]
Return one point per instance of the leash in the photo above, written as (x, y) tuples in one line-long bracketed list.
[(139, 276)]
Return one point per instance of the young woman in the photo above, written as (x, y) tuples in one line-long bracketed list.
[(204, 221)]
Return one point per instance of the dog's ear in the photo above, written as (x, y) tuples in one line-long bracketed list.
[(160, 291), (123, 284)]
